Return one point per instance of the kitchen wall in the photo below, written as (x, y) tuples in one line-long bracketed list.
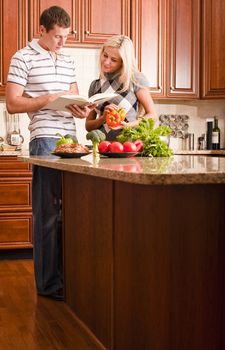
[(87, 70)]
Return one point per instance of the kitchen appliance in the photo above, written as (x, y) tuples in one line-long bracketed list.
[(191, 141), (14, 136)]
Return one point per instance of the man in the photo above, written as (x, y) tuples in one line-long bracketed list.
[(39, 74)]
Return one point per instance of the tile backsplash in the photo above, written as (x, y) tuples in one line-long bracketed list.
[(198, 111), (87, 70)]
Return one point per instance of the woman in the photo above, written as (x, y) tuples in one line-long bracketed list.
[(119, 74)]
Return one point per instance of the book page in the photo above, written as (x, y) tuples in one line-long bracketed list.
[(65, 100), (102, 97)]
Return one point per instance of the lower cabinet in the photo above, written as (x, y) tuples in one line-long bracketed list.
[(15, 203)]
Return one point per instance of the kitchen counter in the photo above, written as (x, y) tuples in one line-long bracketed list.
[(18, 153), (179, 169), (10, 153), (219, 153), (144, 250)]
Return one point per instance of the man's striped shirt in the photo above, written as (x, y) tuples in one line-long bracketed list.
[(35, 69)]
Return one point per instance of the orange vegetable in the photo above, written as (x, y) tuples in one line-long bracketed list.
[(113, 119)]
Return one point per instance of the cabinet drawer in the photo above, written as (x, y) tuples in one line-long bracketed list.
[(10, 166), (15, 231), (15, 194)]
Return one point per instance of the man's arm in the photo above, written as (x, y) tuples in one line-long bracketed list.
[(17, 102)]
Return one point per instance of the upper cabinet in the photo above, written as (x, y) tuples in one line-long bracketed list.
[(183, 48), (179, 44), (13, 30), (92, 21), (213, 49), (166, 36), (36, 7), (148, 34)]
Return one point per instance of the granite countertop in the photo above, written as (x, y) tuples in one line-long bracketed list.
[(14, 153), (179, 169), (10, 153), (220, 152)]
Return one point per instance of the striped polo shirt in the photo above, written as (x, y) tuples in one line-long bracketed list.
[(35, 69)]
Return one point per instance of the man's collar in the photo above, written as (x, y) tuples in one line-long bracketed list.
[(34, 44)]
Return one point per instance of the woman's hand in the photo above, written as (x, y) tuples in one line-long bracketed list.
[(109, 108)]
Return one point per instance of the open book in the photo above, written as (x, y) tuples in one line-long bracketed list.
[(65, 100)]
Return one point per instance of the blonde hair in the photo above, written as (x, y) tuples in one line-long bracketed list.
[(129, 66)]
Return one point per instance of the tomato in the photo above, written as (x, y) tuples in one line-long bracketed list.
[(113, 119), (116, 147), (104, 146), (139, 145), (129, 146)]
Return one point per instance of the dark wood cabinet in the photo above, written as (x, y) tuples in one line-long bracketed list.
[(148, 34), (179, 43), (13, 34), (183, 47), (36, 7), (166, 35), (15, 204), (103, 19), (91, 20), (140, 278), (213, 49)]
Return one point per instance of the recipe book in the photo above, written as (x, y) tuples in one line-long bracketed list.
[(79, 100)]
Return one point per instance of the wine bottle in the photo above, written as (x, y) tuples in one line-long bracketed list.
[(215, 135), (209, 135)]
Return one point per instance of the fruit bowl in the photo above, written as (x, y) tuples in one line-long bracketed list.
[(119, 154)]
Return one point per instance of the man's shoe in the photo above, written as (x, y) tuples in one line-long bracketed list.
[(58, 295)]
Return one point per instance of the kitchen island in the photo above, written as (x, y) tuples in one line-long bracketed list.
[(144, 249)]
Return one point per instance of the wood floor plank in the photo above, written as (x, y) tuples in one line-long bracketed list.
[(30, 322)]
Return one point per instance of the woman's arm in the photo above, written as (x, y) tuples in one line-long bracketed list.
[(92, 122), (145, 99)]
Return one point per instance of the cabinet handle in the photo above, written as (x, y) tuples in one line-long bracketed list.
[(172, 88), (73, 32), (87, 32)]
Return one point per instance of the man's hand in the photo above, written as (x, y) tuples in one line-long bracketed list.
[(81, 112)]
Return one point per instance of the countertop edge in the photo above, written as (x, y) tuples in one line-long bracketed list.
[(156, 178)]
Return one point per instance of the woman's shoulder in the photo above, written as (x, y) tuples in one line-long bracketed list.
[(140, 79), (95, 83), (94, 87)]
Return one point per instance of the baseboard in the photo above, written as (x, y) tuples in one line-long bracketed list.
[(9, 254)]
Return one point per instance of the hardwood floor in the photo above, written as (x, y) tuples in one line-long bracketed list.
[(31, 322)]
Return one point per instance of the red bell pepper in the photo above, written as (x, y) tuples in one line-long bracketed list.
[(113, 119)]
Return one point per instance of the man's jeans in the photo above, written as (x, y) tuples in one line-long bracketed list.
[(47, 227)]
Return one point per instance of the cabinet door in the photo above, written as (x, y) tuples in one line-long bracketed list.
[(213, 49), (36, 7), (13, 28), (148, 34), (166, 36), (15, 203), (183, 29), (92, 21), (104, 18)]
